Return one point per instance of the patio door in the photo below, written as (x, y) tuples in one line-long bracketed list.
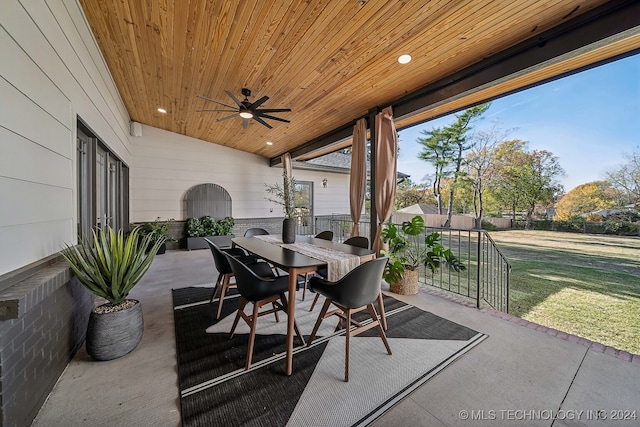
[(304, 207), (103, 185)]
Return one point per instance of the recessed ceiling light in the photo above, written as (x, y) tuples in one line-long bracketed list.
[(269, 143), (162, 110), (404, 59)]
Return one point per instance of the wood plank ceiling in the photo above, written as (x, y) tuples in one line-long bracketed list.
[(329, 61)]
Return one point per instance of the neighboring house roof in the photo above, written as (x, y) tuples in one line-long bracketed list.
[(420, 209), (607, 212), (334, 162)]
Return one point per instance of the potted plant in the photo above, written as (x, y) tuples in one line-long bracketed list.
[(159, 229), (219, 231), (408, 250), (285, 196), (110, 265)]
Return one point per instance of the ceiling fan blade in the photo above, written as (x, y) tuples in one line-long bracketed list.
[(259, 102), (262, 122), (227, 117), (266, 116), (274, 110), (234, 98), (217, 111), (217, 102), (245, 123)]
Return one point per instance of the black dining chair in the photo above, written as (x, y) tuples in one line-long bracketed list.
[(257, 284), (357, 290), (358, 241), (324, 235), (255, 232), (224, 270)]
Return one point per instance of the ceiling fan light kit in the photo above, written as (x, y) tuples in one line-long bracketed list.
[(247, 110)]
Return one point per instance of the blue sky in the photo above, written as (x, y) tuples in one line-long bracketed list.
[(587, 120)]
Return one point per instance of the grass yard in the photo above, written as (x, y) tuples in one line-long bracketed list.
[(586, 285)]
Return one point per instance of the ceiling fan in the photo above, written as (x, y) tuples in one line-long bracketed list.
[(247, 110)]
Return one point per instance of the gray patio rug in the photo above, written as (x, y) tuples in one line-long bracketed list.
[(215, 390)]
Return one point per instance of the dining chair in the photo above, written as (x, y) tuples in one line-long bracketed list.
[(255, 232), (357, 290), (324, 235), (358, 241), (257, 284), (224, 269)]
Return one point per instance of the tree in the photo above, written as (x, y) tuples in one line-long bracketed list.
[(408, 194), (586, 198), (480, 166), (444, 148), (540, 180), (509, 157), (626, 179)]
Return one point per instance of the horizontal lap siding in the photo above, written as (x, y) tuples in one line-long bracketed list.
[(167, 165)]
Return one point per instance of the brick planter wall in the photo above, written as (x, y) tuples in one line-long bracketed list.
[(43, 320)]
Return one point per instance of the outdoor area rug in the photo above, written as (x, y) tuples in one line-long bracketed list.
[(216, 390)]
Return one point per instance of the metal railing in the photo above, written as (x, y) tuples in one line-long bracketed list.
[(485, 278)]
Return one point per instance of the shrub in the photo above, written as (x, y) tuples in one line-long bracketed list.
[(195, 228), (208, 226), (489, 226), (573, 224), (625, 228)]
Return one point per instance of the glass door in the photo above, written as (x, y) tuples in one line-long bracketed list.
[(304, 207)]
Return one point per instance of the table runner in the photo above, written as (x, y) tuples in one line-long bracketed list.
[(338, 263)]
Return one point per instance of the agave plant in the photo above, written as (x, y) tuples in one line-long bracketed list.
[(110, 265)]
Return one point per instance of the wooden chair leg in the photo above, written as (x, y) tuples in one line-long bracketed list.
[(216, 287), (383, 317), (325, 307), (275, 313), (374, 316), (243, 303), (315, 300), (225, 285), (347, 335), (252, 334)]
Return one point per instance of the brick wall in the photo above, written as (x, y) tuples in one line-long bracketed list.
[(43, 320)]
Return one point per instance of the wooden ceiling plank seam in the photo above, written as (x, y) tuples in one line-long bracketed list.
[(481, 30), (221, 26), (220, 23), (285, 51), (324, 83)]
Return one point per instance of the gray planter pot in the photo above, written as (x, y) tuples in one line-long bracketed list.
[(288, 230), (199, 243), (112, 335)]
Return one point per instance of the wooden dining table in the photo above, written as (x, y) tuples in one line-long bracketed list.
[(296, 263)]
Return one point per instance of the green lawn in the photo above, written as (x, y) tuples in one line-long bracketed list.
[(581, 284)]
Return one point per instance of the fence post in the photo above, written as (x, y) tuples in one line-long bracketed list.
[(478, 270)]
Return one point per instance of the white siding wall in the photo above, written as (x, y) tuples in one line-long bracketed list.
[(166, 165), (51, 70)]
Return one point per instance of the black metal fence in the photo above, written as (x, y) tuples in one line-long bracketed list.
[(485, 278)]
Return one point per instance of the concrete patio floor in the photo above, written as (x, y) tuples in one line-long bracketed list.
[(518, 376)]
